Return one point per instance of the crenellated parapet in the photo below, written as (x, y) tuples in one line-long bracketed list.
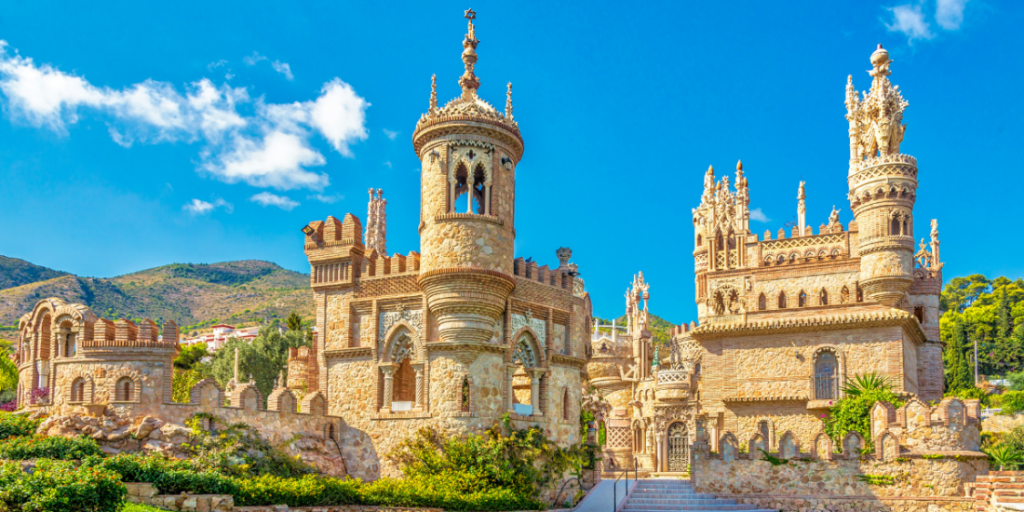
[(951, 426)]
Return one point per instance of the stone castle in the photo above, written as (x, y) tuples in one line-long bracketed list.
[(783, 321), (462, 333)]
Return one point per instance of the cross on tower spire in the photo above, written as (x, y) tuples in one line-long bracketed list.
[(469, 82)]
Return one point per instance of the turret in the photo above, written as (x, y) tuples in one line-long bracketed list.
[(883, 185), (469, 153)]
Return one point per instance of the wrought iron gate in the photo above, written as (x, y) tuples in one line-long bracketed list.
[(678, 447)]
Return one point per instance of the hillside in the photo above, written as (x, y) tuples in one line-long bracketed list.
[(193, 295), (661, 329), (15, 272)]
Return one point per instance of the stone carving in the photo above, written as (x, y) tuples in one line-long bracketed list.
[(538, 325), (876, 121), (524, 354), (389, 318)]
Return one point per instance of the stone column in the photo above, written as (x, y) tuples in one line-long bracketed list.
[(451, 197), (536, 374), (389, 385), (469, 191), (509, 393), (487, 200), (419, 385), (660, 464)]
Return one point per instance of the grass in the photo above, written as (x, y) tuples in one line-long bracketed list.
[(134, 507)]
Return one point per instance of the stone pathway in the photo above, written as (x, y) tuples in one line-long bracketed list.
[(658, 495)]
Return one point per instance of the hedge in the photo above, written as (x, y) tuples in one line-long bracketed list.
[(59, 486), (12, 425), (42, 447), (457, 491)]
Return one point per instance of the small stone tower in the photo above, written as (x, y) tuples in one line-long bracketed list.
[(469, 152), (883, 185)]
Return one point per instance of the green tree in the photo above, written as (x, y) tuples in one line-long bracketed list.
[(960, 376), (8, 372), (190, 355), (265, 358), (294, 322)]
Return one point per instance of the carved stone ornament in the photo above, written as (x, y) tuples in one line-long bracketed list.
[(539, 326), (388, 319)]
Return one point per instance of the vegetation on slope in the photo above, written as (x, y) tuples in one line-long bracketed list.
[(15, 272), (661, 329), (193, 295)]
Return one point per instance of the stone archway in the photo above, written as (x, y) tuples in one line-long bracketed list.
[(678, 448)]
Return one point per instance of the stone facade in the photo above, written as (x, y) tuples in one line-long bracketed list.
[(461, 333)]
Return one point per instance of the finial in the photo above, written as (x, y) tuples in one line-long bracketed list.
[(433, 92), (711, 170), (739, 165), (469, 82), (880, 63), (508, 103), (371, 194), (380, 193), (800, 193)]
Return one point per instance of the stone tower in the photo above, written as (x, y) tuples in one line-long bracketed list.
[(469, 152), (376, 223), (883, 185)]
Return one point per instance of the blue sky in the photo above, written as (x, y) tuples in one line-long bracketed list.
[(134, 136)]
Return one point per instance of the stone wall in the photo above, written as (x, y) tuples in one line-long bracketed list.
[(785, 503), (918, 477), (1002, 423), (1000, 491)]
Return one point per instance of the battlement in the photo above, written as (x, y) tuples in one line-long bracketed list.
[(376, 265), (558, 277), (952, 425), (679, 330)]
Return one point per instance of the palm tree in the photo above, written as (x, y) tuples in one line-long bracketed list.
[(1004, 456), (865, 382)]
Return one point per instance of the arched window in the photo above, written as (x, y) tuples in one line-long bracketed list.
[(762, 302), (70, 347), (464, 400), (78, 390), (764, 427), (844, 295), (700, 241), (824, 297), (718, 241), (782, 300), (826, 382), (801, 299), (860, 294), (906, 226), (894, 229), (459, 187), (330, 432), (481, 194), (919, 313), (124, 389)]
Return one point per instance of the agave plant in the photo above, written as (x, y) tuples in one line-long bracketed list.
[(865, 382), (1005, 456)]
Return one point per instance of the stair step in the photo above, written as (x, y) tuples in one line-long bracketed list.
[(679, 501), (633, 508)]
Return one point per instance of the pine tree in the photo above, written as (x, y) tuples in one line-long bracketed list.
[(961, 377)]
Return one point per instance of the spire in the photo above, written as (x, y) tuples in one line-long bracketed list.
[(469, 82), (376, 223), (709, 186), (801, 209), (508, 103), (433, 93), (876, 120)]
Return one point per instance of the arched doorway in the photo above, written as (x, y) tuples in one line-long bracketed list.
[(678, 448)]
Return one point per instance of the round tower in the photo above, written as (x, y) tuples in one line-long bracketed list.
[(469, 153), (883, 185)]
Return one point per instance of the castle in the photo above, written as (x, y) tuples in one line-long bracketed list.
[(783, 321), (462, 333)]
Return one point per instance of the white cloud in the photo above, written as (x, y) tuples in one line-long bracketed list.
[(388, 164), (949, 14), (252, 60), (390, 134), (757, 215), (326, 199), (283, 68), (200, 207), (268, 199), (909, 20), (277, 160), (214, 65), (242, 140)]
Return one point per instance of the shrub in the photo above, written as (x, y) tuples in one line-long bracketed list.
[(969, 394), (450, 491), (42, 447), (305, 491), (239, 449), (57, 486), (16, 425), (1012, 403), (854, 413)]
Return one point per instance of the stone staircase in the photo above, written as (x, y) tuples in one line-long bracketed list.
[(660, 495)]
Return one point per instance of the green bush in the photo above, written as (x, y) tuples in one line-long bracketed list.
[(1012, 402), (42, 447), (969, 394), (16, 425), (854, 413), (305, 491), (451, 491), (58, 486)]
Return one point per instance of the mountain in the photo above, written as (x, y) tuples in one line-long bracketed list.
[(15, 272), (193, 295)]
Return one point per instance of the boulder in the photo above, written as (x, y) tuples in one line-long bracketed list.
[(147, 426)]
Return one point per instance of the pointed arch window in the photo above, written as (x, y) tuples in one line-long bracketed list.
[(824, 297), (762, 302), (465, 395), (826, 371), (124, 390), (802, 299), (700, 241), (471, 177), (566, 405), (782, 300), (894, 228), (844, 295)]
